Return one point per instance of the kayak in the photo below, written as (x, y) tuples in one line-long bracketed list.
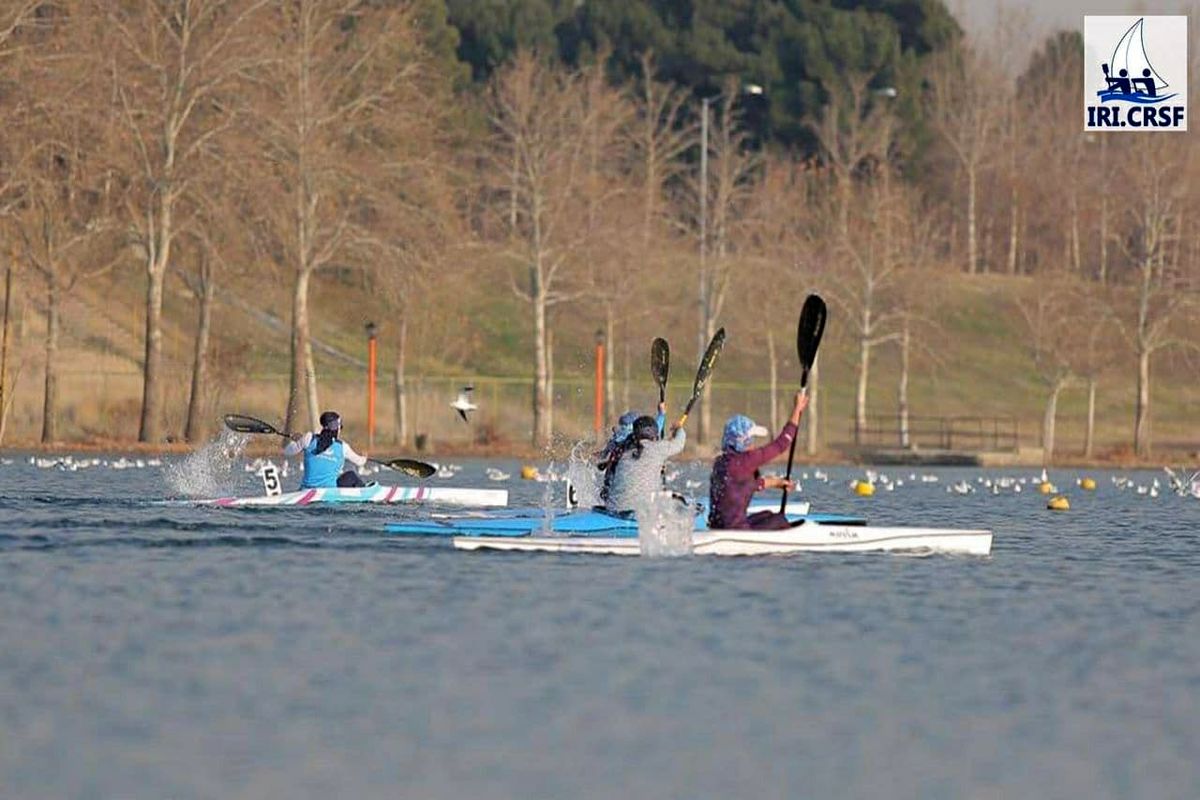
[(582, 523), (366, 494), (810, 537)]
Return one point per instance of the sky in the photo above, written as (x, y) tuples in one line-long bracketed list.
[(978, 16)]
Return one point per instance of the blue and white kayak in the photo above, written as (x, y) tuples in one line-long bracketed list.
[(366, 494), (806, 538), (536, 521)]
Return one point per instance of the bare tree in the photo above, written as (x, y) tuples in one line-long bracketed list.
[(537, 116), (173, 67), (1159, 299), (338, 78), (63, 217), (966, 106)]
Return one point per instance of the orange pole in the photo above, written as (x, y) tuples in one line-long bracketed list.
[(599, 423), (371, 392)]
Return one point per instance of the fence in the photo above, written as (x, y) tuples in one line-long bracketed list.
[(990, 434)]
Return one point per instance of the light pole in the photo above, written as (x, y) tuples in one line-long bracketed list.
[(370, 384)]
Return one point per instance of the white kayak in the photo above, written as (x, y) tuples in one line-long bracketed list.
[(368, 494), (806, 538)]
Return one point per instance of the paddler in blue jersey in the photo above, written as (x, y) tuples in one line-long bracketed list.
[(324, 456)]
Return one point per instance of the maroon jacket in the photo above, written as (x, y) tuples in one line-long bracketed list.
[(735, 479)]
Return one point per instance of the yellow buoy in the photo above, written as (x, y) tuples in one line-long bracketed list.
[(864, 488), (1059, 503), (1045, 487), (529, 472), (1087, 484)]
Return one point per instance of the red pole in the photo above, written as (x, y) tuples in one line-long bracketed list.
[(599, 421), (370, 385)]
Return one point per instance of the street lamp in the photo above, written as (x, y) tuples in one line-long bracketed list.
[(370, 384), (598, 422), (751, 89)]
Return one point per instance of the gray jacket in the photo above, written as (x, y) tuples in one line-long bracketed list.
[(636, 478)]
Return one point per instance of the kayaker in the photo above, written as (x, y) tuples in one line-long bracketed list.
[(635, 469), (735, 476), (621, 431), (325, 454)]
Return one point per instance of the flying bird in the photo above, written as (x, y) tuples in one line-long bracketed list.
[(462, 404)]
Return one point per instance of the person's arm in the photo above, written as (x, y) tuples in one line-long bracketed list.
[(674, 446), (661, 419), (293, 447), (353, 457), (751, 460)]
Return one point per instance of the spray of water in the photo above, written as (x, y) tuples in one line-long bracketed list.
[(665, 526), (583, 476), (207, 472)]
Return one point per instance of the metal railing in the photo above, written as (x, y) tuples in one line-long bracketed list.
[(991, 434)]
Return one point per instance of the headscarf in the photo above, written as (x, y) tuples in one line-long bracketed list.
[(739, 431)]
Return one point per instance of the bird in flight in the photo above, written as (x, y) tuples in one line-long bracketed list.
[(462, 404)]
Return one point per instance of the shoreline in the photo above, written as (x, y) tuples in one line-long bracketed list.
[(828, 457)]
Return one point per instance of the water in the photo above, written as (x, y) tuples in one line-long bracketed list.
[(152, 652)]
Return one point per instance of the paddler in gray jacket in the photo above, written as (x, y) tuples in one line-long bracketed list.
[(635, 470)]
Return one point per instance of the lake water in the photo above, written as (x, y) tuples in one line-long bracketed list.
[(181, 652)]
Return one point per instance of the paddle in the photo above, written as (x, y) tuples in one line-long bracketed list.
[(660, 365), (808, 339), (239, 423), (703, 371)]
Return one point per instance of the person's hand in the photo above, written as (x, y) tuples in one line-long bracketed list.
[(662, 407), (800, 403)]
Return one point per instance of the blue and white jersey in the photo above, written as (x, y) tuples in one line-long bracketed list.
[(321, 470)]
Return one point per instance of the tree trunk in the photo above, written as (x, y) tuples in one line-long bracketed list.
[(401, 393), (811, 414), (310, 381), (5, 331), (609, 353), (1091, 419), (150, 429), (860, 396), (50, 398), (902, 387), (1048, 423), (774, 381), (972, 245), (299, 347), (625, 386), (1141, 428), (195, 425)]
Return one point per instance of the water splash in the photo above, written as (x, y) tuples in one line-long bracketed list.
[(583, 476), (548, 503), (207, 472), (665, 526)]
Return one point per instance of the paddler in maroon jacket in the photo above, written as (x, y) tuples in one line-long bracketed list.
[(735, 476)]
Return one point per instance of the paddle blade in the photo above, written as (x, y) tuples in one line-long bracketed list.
[(660, 365), (707, 362), (408, 466), (240, 423), (808, 334)]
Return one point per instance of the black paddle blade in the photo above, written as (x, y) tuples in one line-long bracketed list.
[(808, 334), (660, 365), (239, 423), (703, 372), (408, 466), (709, 361)]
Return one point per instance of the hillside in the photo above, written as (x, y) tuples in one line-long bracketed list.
[(973, 364)]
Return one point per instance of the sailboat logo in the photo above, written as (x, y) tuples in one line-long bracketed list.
[(1129, 75)]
